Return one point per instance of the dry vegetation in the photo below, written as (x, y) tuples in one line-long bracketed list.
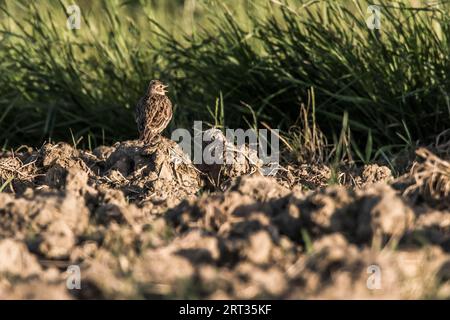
[(142, 224)]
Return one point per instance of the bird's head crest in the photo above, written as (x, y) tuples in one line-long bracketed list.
[(157, 87)]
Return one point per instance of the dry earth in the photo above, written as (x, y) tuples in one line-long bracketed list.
[(144, 224)]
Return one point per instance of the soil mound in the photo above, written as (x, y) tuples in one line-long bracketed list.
[(142, 223)]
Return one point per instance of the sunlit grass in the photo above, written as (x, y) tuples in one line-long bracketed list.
[(261, 57)]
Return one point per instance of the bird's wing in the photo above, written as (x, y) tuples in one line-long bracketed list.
[(162, 113)]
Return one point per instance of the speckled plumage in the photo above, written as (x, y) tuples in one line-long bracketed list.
[(153, 112)]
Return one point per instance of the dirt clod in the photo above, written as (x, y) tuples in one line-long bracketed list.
[(148, 223)]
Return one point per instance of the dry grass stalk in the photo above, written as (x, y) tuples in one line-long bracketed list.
[(432, 178), (307, 140)]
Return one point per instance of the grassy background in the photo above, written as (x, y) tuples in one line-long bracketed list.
[(386, 88)]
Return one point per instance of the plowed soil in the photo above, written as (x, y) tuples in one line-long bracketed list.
[(149, 224)]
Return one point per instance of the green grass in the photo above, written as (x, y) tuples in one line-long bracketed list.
[(393, 83), (260, 57), (6, 183)]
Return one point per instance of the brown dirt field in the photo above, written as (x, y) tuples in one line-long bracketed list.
[(141, 224)]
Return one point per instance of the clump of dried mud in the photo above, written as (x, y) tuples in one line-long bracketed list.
[(147, 224)]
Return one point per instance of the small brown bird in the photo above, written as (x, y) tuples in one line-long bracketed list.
[(153, 112)]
